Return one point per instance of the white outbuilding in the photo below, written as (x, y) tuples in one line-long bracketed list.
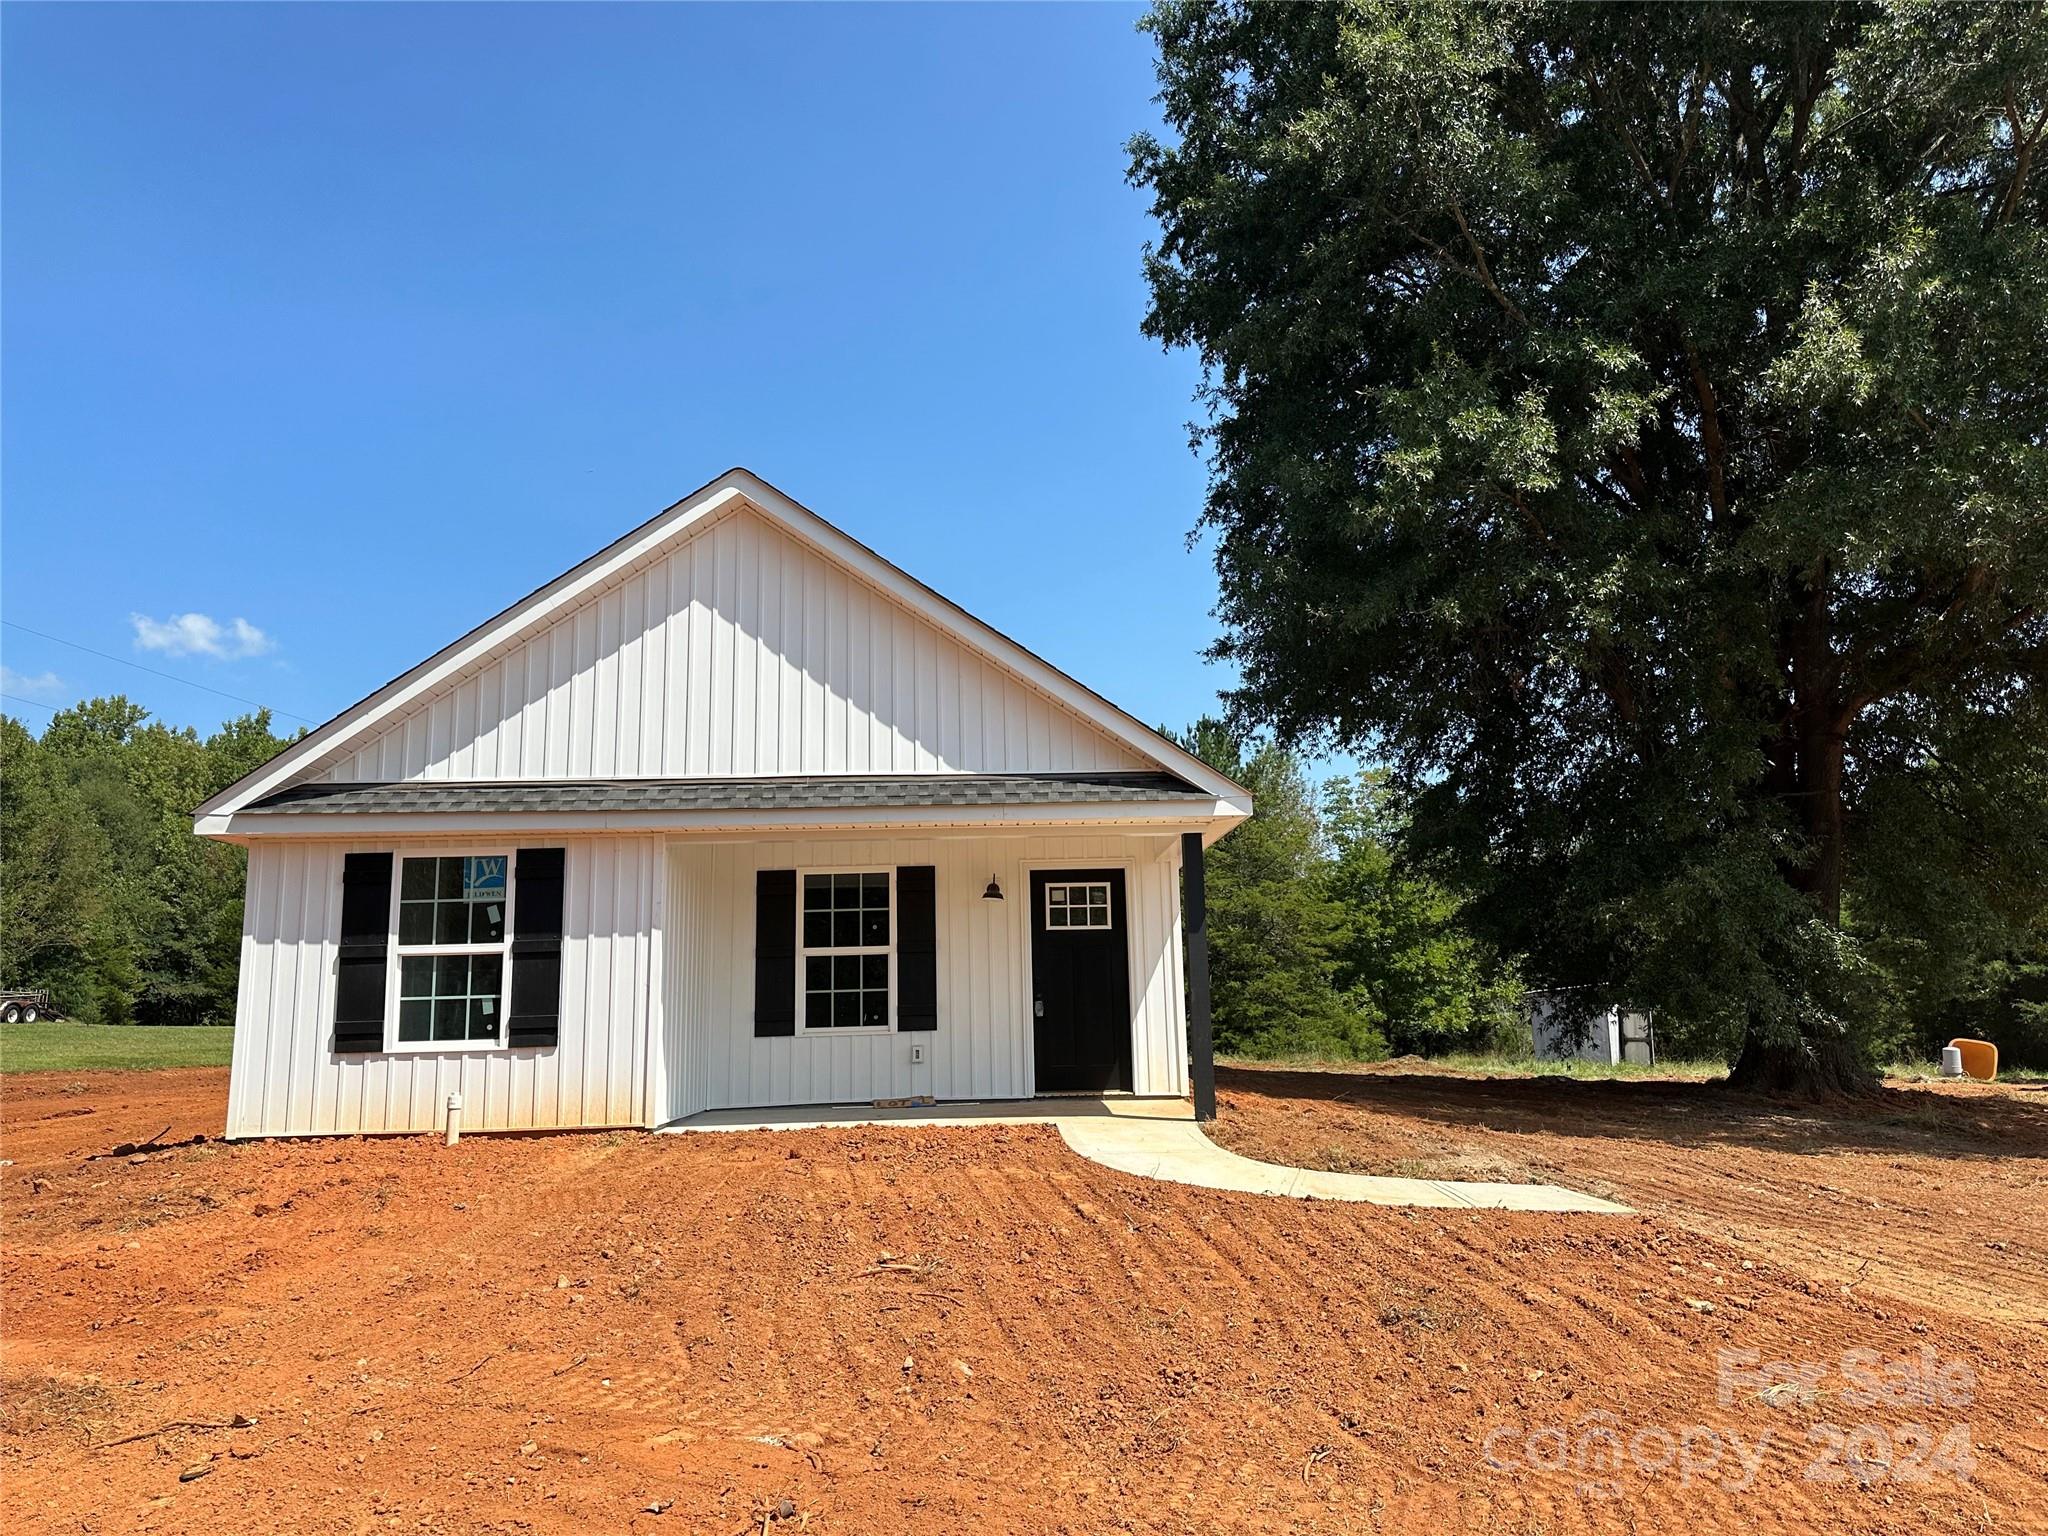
[(734, 814), (1574, 1025)]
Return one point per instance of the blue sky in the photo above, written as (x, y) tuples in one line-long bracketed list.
[(350, 324)]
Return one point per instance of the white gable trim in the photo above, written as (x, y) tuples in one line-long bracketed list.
[(735, 488)]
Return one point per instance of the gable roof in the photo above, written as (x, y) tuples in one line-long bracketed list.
[(734, 489)]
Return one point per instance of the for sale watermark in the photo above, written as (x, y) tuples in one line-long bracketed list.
[(1919, 1441)]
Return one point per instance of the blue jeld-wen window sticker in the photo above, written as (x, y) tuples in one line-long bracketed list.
[(483, 878)]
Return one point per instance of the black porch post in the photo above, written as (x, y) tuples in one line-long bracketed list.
[(1201, 1042)]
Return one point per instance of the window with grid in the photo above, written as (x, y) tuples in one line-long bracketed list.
[(846, 948), (453, 924), (1081, 904)]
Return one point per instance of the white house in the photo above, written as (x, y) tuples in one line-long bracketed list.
[(735, 813)]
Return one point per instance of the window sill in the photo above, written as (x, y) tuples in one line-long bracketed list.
[(804, 1033), (442, 1047)]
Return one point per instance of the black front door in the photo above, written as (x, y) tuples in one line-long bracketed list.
[(1080, 980)]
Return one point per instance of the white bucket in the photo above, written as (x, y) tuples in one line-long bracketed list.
[(1951, 1061)]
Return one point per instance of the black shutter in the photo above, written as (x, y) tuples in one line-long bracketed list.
[(535, 1017), (775, 952), (365, 947), (917, 948)]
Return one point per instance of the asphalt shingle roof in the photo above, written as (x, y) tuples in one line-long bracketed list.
[(792, 794)]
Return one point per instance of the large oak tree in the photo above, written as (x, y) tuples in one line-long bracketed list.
[(1629, 421)]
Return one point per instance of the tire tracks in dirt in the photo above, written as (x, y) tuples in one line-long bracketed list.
[(1133, 1355)]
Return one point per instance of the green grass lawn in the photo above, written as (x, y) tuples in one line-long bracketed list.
[(1929, 1071), (112, 1048), (1500, 1064), (1494, 1065)]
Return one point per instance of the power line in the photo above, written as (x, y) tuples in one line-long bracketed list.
[(31, 703), (153, 672)]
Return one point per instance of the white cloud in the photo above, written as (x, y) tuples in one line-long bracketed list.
[(195, 634), (44, 685)]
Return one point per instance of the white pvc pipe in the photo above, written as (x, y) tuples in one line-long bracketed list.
[(454, 1118)]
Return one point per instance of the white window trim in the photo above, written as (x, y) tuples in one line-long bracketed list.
[(392, 983), (803, 953), (1108, 890)]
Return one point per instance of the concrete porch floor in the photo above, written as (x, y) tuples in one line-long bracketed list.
[(1159, 1139), (1045, 1111)]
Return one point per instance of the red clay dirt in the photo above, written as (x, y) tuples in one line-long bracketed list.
[(1937, 1194), (901, 1330)]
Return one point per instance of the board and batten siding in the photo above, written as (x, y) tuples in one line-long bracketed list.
[(739, 651), (982, 1048), (287, 1081)]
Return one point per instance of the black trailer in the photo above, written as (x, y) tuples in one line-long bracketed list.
[(25, 1007)]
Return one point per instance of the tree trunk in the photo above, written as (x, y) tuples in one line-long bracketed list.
[(1819, 806), (1806, 767), (1807, 758), (1812, 1068)]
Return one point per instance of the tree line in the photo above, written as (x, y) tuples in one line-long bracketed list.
[(107, 899), (1336, 932), (1322, 945)]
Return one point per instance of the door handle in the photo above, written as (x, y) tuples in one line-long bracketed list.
[(1038, 1007)]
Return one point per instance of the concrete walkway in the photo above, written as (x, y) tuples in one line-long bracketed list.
[(1159, 1139), (1177, 1151)]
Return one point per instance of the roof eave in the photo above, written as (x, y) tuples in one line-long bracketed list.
[(1211, 818)]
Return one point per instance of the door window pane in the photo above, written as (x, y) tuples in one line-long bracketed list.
[(1077, 904)]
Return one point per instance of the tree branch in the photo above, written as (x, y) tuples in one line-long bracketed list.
[(1485, 271), (1802, 122), (1711, 440), (1606, 485), (1895, 671), (1620, 129), (2023, 158), (1483, 278), (1630, 472)]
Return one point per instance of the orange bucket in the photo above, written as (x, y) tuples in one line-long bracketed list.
[(1980, 1058)]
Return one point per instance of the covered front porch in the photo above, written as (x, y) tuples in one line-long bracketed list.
[(1000, 966)]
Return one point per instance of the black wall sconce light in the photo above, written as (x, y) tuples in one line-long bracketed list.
[(994, 891)]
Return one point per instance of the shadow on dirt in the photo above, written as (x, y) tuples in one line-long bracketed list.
[(1921, 1121)]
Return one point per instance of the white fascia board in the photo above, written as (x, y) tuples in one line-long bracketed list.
[(1211, 819), (734, 488)]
